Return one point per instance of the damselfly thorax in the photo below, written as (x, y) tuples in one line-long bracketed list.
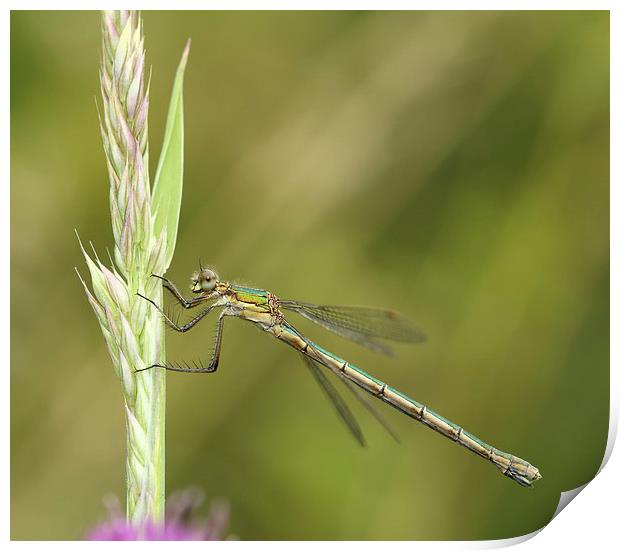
[(255, 305)]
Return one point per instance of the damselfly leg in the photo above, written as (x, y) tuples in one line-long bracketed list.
[(172, 324), (172, 288), (199, 368), (215, 358)]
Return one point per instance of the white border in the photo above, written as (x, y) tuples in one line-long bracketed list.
[(590, 520)]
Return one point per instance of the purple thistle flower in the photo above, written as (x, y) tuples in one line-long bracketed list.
[(180, 523)]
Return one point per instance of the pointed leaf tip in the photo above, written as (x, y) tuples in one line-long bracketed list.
[(185, 54), (168, 184)]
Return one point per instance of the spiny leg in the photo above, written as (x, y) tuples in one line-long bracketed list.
[(215, 358), (186, 369), (172, 324), (191, 303)]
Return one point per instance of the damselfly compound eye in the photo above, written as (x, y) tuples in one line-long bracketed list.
[(207, 279)]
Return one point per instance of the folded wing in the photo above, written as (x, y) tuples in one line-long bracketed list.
[(359, 324)]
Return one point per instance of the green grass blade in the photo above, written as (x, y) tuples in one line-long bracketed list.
[(168, 184)]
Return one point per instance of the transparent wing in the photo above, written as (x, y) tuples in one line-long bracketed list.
[(359, 324), (359, 394), (341, 407), (336, 400)]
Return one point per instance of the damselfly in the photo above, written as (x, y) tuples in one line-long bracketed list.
[(366, 326)]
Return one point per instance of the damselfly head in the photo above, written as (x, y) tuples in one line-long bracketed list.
[(203, 280)]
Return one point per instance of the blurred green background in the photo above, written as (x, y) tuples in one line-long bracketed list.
[(454, 166)]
